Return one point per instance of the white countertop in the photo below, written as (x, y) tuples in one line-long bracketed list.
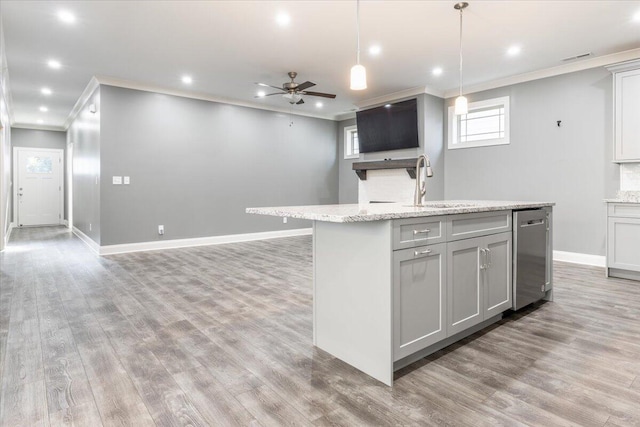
[(625, 197), (386, 211)]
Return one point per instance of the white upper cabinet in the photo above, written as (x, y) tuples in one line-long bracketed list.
[(626, 87)]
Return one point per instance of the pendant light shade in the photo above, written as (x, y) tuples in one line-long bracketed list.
[(358, 72), (358, 77), (462, 106)]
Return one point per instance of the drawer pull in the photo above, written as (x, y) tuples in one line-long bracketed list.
[(416, 232), (425, 252)]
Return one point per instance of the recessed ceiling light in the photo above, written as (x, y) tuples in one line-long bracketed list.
[(436, 71), (40, 121), (66, 17), (187, 80), (514, 50), (319, 104), (375, 50), (54, 64), (283, 19), (43, 109), (45, 91), (261, 93)]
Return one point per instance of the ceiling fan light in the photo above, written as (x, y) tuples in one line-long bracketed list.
[(358, 77), (462, 106)]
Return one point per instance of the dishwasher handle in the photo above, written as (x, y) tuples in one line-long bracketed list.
[(532, 223)]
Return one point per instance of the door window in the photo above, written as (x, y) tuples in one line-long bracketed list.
[(39, 165)]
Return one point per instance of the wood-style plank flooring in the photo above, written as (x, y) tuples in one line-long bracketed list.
[(221, 335)]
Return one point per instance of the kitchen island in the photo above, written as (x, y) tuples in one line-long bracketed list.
[(394, 283)]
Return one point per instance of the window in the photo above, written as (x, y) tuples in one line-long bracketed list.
[(487, 123), (351, 146), (39, 165)]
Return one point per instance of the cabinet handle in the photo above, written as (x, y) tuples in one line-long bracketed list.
[(416, 232), (483, 258), (425, 252)]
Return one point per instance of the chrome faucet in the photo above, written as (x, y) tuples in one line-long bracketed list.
[(421, 185)]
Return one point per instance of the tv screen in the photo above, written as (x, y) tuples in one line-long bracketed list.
[(389, 127)]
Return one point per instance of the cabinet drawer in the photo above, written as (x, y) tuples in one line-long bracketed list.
[(465, 226), (628, 210), (409, 233)]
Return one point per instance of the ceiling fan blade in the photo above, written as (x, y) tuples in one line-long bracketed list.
[(324, 95), (269, 94), (273, 87), (305, 85), (300, 102)]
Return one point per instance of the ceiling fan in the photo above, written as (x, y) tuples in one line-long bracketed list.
[(293, 91)]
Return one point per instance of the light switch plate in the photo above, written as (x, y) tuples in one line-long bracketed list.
[(127, 181), (117, 180)]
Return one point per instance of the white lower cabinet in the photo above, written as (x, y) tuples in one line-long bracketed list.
[(624, 243), (478, 280), (419, 298)]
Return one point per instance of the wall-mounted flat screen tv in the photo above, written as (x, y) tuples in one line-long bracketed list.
[(389, 127)]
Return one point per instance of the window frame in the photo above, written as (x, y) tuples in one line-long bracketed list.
[(348, 146), (454, 142)]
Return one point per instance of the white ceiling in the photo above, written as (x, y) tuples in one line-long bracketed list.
[(226, 46)]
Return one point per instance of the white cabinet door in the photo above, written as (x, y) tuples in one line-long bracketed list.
[(464, 284), (419, 295), (497, 274), (627, 112), (624, 243)]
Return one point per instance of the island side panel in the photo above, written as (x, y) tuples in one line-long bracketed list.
[(353, 294)]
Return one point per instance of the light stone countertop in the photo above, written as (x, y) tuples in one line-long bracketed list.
[(625, 197), (386, 211)]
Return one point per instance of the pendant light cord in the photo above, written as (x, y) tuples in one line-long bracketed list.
[(358, 30), (461, 51)]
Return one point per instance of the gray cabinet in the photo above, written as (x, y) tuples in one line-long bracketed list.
[(464, 287), (623, 239), (478, 280), (418, 298), (497, 274), (626, 87)]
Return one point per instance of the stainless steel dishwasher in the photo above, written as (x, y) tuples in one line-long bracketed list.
[(530, 256)]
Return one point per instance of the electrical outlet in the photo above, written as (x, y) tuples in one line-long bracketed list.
[(161, 230), (127, 180), (284, 220)]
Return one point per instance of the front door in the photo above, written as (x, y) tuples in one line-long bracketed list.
[(39, 186)]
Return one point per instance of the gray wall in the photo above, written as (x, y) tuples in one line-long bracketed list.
[(196, 165), (430, 136), (84, 133), (570, 165), (32, 138)]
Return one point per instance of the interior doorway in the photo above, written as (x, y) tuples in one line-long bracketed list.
[(38, 186)]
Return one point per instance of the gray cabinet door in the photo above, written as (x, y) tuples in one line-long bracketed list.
[(497, 274), (627, 108), (464, 287), (419, 298), (623, 241)]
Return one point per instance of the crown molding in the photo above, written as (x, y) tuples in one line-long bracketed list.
[(580, 65), (38, 127), (128, 84), (84, 97)]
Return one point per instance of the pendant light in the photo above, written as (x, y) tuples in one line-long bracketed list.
[(358, 72), (462, 106)]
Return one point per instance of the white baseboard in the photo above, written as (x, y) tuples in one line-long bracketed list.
[(578, 258), (200, 241), (87, 240)]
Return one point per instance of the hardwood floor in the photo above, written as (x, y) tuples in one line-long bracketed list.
[(221, 335)]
